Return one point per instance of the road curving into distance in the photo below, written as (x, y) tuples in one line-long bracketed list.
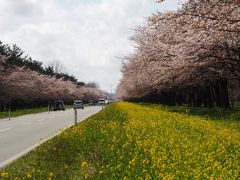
[(21, 134)]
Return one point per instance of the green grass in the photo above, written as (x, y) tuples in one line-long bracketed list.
[(228, 117), (23, 112), (132, 141), (210, 113)]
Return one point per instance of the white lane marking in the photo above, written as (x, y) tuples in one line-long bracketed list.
[(6, 129), (26, 124)]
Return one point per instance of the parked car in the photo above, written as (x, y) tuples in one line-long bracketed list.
[(58, 105), (101, 102), (78, 104)]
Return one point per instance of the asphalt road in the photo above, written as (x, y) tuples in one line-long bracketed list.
[(21, 134)]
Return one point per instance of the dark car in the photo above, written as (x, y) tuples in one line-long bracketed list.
[(58, 105)]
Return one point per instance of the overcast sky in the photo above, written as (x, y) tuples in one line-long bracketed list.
[(86, 36)]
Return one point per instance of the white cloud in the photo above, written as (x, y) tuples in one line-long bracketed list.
[(86, 36)]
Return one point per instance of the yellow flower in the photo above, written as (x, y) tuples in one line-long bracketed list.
[(4, 174), (119, 167), (51, 174), (29, 176), (84, 165)]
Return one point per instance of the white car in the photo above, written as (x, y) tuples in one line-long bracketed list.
[(78, 104), (107, 101), (101, 102)]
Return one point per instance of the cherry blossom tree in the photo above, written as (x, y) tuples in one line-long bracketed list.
[(185, 56), (22, 87)]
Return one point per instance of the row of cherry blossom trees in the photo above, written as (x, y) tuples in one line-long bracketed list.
[(21, 87), (191, 55)]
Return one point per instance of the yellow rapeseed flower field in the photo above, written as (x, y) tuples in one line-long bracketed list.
[(133, 141)]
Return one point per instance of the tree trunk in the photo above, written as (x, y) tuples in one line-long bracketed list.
[(225, 95)]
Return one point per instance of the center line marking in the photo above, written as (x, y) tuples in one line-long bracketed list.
[(6, 129)]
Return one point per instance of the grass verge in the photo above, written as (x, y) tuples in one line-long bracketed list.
[(130, 141), (23, 112)]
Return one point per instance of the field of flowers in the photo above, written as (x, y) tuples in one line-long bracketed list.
[(133, 141)]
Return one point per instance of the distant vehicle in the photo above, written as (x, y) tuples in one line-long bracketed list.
[(78, 104), (101, 102), (107, 102), (58, 105)]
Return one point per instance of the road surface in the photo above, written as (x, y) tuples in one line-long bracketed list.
[(21, 134)]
